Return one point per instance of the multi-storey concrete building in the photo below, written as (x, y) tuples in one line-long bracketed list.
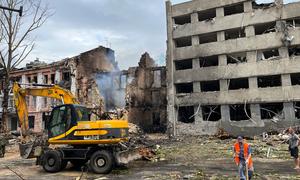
[(233, 65)]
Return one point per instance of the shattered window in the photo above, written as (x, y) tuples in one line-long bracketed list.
[(294, 51), (184, 64), (240, 83), (293, 22), (269, 81), (209, 61), (270, 54), (240, 112), (235, 33), (184, 88), (234, 9), (271, 111), (211, 113), (207, 86), (295, 79), (208, 38), (265, 28), (181, 20), (207, 15), (183, 42), (186, 114), (236, 58)]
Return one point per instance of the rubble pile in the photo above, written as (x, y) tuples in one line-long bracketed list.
[(271, 146), (139, 141)]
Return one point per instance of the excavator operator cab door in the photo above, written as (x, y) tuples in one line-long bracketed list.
[(60, 121), (64, 117)]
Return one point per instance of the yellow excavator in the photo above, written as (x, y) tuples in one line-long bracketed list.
[(97, 142)]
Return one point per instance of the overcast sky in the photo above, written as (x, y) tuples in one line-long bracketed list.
[(130, 27)]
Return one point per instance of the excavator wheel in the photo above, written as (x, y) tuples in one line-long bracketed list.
[(102, 162), (52, 161)]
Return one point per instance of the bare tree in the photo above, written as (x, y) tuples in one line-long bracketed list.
[(17, 40)]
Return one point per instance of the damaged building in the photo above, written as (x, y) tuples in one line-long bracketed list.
[(76, 74), (141, 90), (95, 79), (232, 65), (146, 95)]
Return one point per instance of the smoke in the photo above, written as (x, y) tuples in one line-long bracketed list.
[(112, 86)]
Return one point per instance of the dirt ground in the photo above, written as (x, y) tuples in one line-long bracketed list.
[(184, 158)]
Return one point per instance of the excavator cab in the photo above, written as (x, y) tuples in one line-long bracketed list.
[(64, 117)]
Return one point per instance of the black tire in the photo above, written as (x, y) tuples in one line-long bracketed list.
[(52, 161), (78, 162), (102, 162)]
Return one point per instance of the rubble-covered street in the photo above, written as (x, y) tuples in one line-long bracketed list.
[(180, 158)]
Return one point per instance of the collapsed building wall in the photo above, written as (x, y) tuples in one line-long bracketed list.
[(140, 90), (232, 64), (146, 95), (84, 69)]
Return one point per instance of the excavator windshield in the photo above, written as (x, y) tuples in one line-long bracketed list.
[(64, 117)]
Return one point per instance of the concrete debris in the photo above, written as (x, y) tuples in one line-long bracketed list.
[(135, 129), (147, 153), (222, 134)]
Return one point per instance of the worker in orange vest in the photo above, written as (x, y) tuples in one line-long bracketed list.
[(243, 159)]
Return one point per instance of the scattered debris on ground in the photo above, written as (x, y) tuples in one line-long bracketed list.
[(185, 157)]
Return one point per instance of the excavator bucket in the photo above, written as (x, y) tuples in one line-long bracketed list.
[(33, 146), (124, 157), (26, 150)]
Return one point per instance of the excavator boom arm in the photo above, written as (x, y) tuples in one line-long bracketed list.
[(49, 91)]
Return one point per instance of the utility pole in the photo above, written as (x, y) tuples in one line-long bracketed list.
[(20, 11)]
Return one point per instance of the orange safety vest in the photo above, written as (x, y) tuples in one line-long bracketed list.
[(237, 152)]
